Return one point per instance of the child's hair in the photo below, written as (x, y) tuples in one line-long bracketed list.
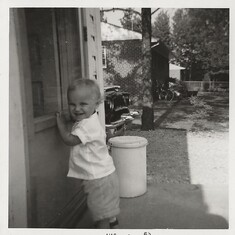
[(83, 82)]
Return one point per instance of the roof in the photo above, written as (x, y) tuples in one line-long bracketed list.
[(175, 67), (110, 32)]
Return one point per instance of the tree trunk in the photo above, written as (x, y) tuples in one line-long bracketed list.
[(147, 102)]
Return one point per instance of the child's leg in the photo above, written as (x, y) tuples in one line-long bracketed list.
[(103, 200)]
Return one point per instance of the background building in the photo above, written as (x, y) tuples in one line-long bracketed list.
[(122, 59)]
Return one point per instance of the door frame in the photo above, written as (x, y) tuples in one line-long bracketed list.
[(19, 201)]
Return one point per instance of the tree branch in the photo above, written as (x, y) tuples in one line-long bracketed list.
[(127, 10), (155, 11), (121, 9)]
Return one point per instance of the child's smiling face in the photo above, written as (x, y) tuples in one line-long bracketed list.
[(82, 103)]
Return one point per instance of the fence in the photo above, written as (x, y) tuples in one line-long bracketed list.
[(210, 86)]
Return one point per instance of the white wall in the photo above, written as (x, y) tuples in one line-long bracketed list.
[(175, 74)]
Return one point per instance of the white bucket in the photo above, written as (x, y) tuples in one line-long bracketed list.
[(129, 156)]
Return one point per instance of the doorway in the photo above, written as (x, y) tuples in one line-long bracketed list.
[(53, 52)]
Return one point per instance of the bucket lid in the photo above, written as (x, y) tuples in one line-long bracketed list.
[(128, 141)]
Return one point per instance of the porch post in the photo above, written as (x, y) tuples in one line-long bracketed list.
[(93, 50)]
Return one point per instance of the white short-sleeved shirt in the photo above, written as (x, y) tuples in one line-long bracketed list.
[(90, 159)]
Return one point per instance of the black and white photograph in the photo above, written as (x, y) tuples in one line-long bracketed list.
[(136, 98)]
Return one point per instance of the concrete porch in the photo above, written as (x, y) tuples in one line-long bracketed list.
[(201, 203), (173, 206)]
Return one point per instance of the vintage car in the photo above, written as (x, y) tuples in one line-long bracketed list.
[(118, 116)]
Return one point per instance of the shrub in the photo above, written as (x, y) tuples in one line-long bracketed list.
[(202, 109)]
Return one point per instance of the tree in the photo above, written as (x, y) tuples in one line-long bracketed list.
[(147, 106), (161, 28), (147, 94), (212, 41), (201, 39), (131, 21), (180, 38)]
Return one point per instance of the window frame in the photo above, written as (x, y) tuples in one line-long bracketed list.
[(48, 120)]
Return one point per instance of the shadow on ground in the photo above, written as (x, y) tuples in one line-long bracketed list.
[(171, 206), (171, 202)]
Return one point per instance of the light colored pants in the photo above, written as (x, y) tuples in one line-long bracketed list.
[(103, 196)]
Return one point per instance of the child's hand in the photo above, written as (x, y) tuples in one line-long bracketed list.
[(67, 137), (61, 117)]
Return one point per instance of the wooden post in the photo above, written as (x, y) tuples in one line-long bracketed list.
[(148, 113)]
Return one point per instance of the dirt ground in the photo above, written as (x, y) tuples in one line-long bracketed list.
[(188, 150)]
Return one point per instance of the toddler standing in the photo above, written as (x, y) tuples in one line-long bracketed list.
[(89, 156)]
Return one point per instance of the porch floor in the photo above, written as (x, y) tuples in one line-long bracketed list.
[(173, 206), (203, 204)]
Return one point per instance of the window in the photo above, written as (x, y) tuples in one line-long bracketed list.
[(42, 55), (104, 57), (54, 54)]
